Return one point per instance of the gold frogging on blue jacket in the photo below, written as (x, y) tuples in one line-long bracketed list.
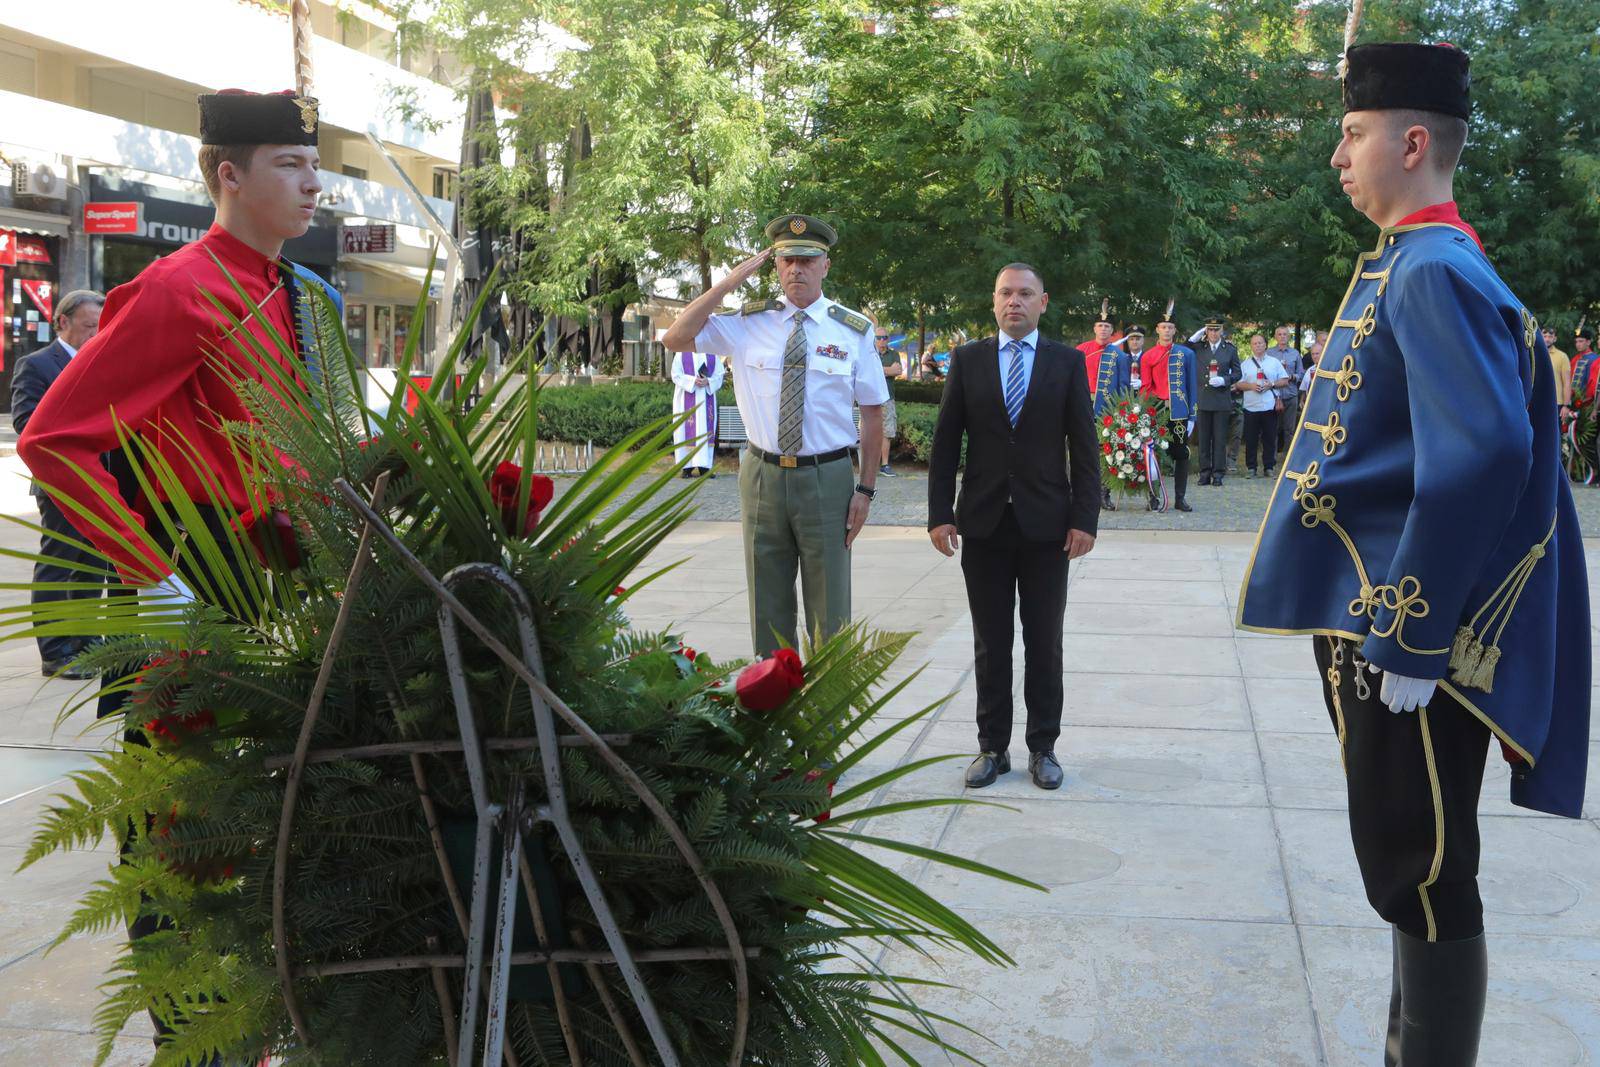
[(1427, 516)]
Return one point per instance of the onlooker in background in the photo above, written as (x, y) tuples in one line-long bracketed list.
[(1562, 365), (1261, 376), (892, 369), (1217, 363), (1313, 359), (1584, 367), (696, 377), (77, 319), (1289, 394)]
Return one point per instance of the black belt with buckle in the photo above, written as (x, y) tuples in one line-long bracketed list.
[(801, 461)]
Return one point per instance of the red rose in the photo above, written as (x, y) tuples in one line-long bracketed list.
[(1107, 421), (767, 684), (1108, 448), (273, 537), (503, 484), (173, 727)]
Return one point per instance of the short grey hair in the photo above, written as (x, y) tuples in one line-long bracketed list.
[(76, 299)]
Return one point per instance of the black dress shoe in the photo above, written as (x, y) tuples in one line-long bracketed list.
[(63, 668), (1205, 479), (1045, 769), (986, 768), (1182, 505), (1106, 503), (1217, 481)]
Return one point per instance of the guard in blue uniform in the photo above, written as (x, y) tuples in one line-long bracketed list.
[(1167, 372), (1423, 531)]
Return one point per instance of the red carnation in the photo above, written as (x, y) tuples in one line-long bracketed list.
[(1108, 448), (503, 484), (766, 684), (273, 537), (1106, 421)]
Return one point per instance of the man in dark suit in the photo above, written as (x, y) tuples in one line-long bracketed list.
[(1022, 402), (1217, 362), (77, 319)]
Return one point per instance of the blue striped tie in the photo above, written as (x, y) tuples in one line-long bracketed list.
[(1015, 393)]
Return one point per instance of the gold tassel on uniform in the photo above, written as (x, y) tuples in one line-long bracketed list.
[(1483, 677), (1464, 654), (1474, 657)]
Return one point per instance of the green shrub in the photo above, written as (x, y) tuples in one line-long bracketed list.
[(604, 414), (918, 392)]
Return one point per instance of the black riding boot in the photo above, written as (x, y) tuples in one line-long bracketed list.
[(1391, 1044), (1443, 985)]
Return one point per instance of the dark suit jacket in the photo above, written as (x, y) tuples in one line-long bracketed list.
[(1215, 397), (1028, 463), (32, 377)]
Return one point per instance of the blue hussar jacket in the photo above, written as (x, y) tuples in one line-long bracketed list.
[(1423, 511), (1182, 388), (1115, 376)]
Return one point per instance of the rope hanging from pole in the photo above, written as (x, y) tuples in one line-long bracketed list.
[(300, 27)]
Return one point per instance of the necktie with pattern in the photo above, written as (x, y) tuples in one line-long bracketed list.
[(1015, 393), (792, 399)]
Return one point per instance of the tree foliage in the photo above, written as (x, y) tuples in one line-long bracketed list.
[(1139, 150)]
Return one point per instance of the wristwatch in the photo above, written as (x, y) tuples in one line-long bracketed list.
[(870, 494)]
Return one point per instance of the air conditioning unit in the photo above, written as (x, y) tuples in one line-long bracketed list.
[(43, 180)]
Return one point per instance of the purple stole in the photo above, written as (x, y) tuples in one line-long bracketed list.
[(691, 400)]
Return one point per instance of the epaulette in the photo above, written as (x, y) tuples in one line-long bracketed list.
[(856, 321), (757, 306)]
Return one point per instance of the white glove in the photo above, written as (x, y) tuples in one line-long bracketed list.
[(170, 594), (1216, 380), (1191, 426), (1402, 693), (1134, 381)]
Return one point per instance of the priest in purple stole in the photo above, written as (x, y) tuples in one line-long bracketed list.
[(696, 377)]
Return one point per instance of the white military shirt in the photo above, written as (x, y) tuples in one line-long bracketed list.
[(842, 370)]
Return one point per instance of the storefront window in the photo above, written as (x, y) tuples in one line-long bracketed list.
[(355, 330), (383, 353), (402, 332), (27, 297)]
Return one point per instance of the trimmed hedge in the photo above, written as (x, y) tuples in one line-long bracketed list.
[(605, 414), (918, 392)]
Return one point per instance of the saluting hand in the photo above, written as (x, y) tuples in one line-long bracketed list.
[(745, 271)]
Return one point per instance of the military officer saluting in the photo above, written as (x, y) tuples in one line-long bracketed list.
[(800, 363), (1424, 532)]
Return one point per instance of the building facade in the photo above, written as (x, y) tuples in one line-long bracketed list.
[(99, 149)]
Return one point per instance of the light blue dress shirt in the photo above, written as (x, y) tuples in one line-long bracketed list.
[(1030, 345)]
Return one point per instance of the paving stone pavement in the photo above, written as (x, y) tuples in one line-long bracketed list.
[(1204, 906)]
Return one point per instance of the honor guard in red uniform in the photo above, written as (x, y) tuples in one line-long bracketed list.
[(166, 363), (1167, 372), (1109, 371)]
